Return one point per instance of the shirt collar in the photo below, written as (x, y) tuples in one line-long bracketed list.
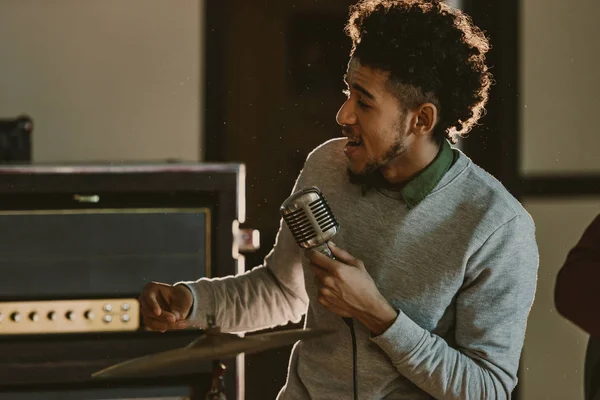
[(421, 185)]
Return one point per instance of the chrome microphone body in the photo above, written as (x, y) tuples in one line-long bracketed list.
[(310, 219)]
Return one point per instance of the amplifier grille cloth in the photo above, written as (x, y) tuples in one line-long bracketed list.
[(83, 253)]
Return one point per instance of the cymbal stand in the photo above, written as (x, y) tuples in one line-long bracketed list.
[(217, 388)]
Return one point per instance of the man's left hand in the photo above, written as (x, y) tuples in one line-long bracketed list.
[(347, 289)]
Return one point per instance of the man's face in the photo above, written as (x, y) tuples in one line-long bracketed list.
[(372, 120)]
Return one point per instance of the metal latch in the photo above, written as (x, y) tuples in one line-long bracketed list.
[(246, 240)]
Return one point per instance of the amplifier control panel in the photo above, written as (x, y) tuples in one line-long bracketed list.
[(69, 316)]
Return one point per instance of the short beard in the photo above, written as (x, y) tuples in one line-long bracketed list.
[(371, 175)]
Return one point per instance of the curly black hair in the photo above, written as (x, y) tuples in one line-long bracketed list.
[(433, 53)]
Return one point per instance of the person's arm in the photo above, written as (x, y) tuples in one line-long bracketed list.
[(492, 308), (269, 295), (577, 290)]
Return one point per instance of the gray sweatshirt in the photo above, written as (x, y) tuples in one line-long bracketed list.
[(461, 266)]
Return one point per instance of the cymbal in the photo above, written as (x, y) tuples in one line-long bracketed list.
[(210, 346)]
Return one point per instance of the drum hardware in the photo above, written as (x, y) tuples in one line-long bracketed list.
[(213, 346)]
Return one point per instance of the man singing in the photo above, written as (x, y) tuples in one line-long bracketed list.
[(436, 263)]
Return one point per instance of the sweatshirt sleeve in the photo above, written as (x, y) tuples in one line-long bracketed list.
[(577, 290), (492, 308), (269, 295)]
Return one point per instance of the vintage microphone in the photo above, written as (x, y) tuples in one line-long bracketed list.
[(312, 223)]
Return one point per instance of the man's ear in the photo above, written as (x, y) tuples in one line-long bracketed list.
[(425, 118)]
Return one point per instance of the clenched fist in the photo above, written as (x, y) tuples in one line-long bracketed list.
[(165, 306)]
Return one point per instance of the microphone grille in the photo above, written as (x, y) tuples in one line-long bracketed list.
[(309, 218), (323, 214)]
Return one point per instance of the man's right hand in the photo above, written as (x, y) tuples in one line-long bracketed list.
[(165, 306)]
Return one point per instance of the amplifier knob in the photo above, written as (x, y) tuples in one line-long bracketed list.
[(51, 316), (107, 318), (107, 307), (70, 315), (34, 316), (125, 318), (89, 314), (15, 317), (125, 307)]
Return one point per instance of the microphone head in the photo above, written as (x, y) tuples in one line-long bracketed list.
[(309, 218)]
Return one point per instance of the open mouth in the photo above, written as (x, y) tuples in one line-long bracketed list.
[(354, 142), (352, 146)]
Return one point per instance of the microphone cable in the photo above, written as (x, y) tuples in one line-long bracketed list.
[(350, 323)]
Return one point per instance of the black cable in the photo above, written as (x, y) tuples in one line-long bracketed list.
[(350, 323)]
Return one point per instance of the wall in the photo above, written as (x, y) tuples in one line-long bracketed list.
[(107, 80), (554, 351), (559, 102), (559, 135)]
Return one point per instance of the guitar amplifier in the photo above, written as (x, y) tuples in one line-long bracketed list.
[(78, 243)]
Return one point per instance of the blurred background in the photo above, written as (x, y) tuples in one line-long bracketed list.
[(258, 83)]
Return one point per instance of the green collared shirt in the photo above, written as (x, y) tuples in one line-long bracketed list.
[(421, 185)]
